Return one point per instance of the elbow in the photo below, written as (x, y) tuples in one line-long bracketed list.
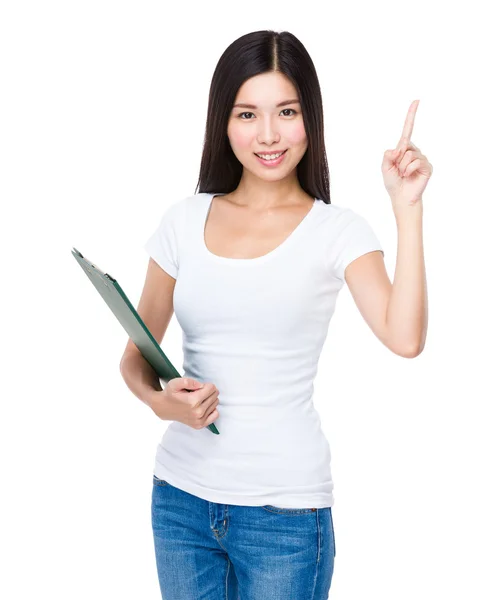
[(412, 351), (121, 364)]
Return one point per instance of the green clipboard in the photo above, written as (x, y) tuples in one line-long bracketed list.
[(129, 318)]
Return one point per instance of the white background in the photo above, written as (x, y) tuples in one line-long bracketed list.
[(103, 108)]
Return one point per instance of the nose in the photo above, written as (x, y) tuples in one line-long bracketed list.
[(268, 132)]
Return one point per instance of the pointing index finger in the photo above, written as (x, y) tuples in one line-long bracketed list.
[(409, 123)]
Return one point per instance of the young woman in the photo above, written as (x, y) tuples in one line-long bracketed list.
[(252, 265)]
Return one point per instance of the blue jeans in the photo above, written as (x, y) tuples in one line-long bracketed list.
[(210, 551)]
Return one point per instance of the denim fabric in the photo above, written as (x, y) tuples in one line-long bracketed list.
[(210, 551)]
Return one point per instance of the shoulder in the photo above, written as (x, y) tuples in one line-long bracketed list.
[(339, 212), (336, 217), (177, 209), (190, 202), (343, 227)]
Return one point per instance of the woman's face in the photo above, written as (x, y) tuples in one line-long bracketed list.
[(266, 127)]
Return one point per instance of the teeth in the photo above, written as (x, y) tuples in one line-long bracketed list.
[(270, 156)]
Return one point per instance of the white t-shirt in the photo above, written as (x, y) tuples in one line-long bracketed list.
[(255, 328)]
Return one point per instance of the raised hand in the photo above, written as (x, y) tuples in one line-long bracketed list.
[(405, 170)]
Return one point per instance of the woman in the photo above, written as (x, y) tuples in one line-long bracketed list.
[(252, 265)]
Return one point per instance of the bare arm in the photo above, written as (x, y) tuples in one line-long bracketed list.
[(155, 309), (397, 313), (140, 377), (407, 309)]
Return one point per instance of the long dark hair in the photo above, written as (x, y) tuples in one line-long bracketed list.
[(252, 54)]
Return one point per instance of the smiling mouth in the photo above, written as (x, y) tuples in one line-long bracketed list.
[(271, 156)]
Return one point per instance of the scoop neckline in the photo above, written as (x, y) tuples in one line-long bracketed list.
[(257, 259)]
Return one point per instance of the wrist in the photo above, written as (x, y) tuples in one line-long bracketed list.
[(154, 398), (410, 213)]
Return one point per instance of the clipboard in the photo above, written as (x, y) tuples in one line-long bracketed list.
[(129, 318)]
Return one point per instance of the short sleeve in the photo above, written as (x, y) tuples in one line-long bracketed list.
[(353, 237), (164, 243)]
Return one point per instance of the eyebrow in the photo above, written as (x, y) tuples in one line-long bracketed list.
[(284, 103)]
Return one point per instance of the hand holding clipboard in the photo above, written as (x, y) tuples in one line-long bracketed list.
[(129, 318)]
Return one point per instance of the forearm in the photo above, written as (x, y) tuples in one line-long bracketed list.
[(407, 311), (140, 377)]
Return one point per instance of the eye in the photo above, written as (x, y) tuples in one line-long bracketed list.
[(250, 113)]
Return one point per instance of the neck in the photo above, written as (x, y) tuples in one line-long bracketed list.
[(263, 195)]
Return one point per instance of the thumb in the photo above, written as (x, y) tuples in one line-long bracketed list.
[(187, 383)]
